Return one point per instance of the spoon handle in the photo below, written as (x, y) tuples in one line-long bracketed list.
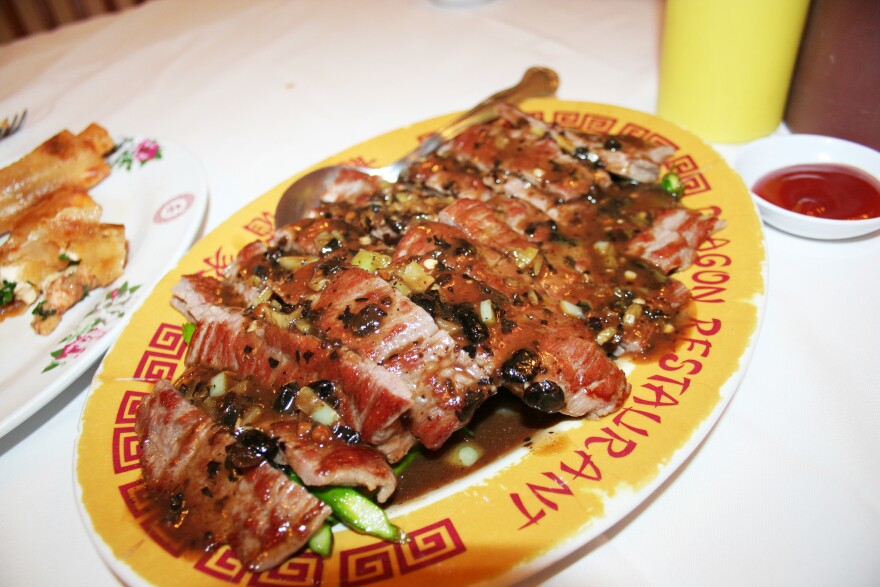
[(536, 82)]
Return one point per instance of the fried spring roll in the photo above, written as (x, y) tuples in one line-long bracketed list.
[(58, 248), (65, 160)]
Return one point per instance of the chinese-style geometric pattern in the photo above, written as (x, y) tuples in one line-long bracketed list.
[(381, 561), (163, 354), (693, 180)]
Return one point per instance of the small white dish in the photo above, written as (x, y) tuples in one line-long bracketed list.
[(159, 192), (772, 153)]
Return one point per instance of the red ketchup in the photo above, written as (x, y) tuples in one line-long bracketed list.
[(824, 190)]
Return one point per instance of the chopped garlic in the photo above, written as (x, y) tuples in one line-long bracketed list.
[(522, 258), (605, 335), (631, 314), (292, 262), (370, 260), (415, 276), (571, 309), (464, 455), (218, 384), (487, 312)]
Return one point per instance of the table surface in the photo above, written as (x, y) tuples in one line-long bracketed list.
[(784, 491)]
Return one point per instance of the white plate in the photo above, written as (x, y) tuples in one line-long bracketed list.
[(778, 152), (159, 192)]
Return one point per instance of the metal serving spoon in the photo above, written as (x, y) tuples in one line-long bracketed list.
[(305, 193)]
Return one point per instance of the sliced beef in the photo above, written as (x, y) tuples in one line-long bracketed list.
[(263, 516), (571, 374), (357, 312), (372, 399), (320, 458), (195, 294), (374, 320), (553, 276), (501, 149), (448, 176), (672, 240), (623, 155), (364, 313)]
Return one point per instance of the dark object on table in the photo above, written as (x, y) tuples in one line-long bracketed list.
[(836, 86)]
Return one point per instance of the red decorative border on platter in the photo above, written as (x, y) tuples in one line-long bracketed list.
[(162, 355), (428, 546)]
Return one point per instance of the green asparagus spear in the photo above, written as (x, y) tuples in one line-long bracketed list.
[(321, 542), (356, 511)]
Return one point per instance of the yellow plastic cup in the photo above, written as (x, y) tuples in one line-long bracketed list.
[(726, 65)]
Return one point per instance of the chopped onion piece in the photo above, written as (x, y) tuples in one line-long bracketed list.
[(415, 276), (605, 335), (250, 415), (325, 415), (464, 455), (487, 312), (571, 309), (401, 287), (537, 265), (603, 247), (308, 402), (266, 312), (370, 260), (631, 314), (219, 384), (292, 262), (468, 455), (564, 143), (537, 128), (522, 258), (606, 249), (263, 296), (325, 238), (318, 283)]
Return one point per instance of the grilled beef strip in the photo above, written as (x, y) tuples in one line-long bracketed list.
[(319, 457), (500, 150), (227, 339), (320, 454), (469, 274), (359, 311), (563, 269), (371, 399), (189, 462), (671, 242), (349, 306), (625, 156), (373, 319)]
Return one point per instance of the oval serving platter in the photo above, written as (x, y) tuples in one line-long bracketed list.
[(503, 522)]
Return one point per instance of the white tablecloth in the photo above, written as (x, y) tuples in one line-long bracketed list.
[(784, 491)]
